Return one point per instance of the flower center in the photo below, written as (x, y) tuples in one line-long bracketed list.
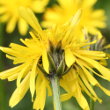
[(57, 65)]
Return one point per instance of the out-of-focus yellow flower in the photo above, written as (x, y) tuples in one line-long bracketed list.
[(67, 54), (91, 19), (9, 13)]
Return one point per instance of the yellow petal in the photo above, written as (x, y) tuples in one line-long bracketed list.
[(87, 84), (10, 72), (103, 89), (2, 10), (33, 78), (94, 82), (80, 62), (20, 92), (75, 19), (107, 46), (69, 57), (64, 3), (65, 97), (73, 22), (45, 61), (103, 70), (10, 57), (22, 26), (39, 5), (9, 51), (81, 100), (13, 77), (11, 24), (30, 18), (89, 3), (86, 90), (4, 18), (22, 72), (94, 31), (41, 97)]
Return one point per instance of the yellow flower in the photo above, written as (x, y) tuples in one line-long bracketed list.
[(9, 13), (91, 19), (56, 51)]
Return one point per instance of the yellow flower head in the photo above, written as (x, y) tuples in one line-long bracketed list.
[(9, 13), (56, 51), (90, 18)]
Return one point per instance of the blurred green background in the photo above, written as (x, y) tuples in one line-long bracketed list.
[(7, 88)]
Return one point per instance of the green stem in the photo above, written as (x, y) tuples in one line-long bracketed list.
[(56, 93), (91, 104)]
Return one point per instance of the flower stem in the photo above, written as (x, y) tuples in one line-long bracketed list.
[(56, 93)]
